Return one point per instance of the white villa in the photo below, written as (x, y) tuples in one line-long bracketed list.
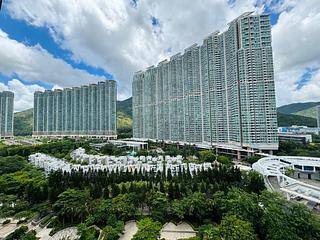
[(112, 163)]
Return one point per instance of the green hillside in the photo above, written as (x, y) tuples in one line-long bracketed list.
[(310, 112), (23, 123), (298, 114), (125, 106), (297, 108), (287, 120)]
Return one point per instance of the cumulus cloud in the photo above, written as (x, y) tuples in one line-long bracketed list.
[(296, 48), (23, 94), (119, 36), (35, 63)]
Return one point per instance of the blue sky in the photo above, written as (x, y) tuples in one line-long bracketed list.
[(30, 35), (52, 43)]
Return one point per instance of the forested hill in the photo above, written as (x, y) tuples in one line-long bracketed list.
[(298, 114), (295, 108), (23, 122), (287, 120)]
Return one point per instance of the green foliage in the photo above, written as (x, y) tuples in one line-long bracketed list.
[(22, 234), (110, 149), (11, 164), (87, 233), (123, 206), (125, 106), (297, 107), (209, 232), (6, 221), (207, 156), (159, 204), (113, 232), (109, 198), (233, 228), (292, 148), (224, 160), (252, 159), (287, 120), (253, 182), (23, 123), (147, 229), (71, 206), (55, 148)]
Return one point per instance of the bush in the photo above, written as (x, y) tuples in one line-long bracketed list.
[(6, 221), (22, 221), (147, 229), (224, 160), (25, 214), (252, 160)]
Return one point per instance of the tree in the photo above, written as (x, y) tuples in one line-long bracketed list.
[(207, 156), (87, 233), (158, 202), (147, 229), (178, 209), (209, 232), (244, 205), (223, 160), (72, 205), (295, 220), (254, 182), (233, 228), (113, 232), (123, 206), (198, 205)]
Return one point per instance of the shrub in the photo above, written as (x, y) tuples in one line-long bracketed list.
[(6, 221)]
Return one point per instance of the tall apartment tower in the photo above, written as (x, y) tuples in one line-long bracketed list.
[(6, 116), (318, 117), (86, 111), (221, 92)]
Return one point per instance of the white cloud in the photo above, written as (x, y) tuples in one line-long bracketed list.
[(121, 39), (296, 47), (35, 63), (23, 94)]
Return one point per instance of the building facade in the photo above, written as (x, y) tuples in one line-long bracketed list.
[(318, 117), (221, 92), (6, 116), (86, 111)]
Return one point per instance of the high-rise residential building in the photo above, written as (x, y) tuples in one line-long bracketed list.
[(6, 116), (221, 92), (318, 117), (86, 111)]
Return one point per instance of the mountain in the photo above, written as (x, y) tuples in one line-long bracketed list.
[(124, 114), (298, 114), (307, 108), (23, 120), (125, 106), (287, 120)]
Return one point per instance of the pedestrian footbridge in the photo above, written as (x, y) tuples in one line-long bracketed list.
[(291, 173)]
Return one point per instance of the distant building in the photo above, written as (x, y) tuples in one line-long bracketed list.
[(298, 130), (221, 92), (303, 138), (6, 117), (87, 111)]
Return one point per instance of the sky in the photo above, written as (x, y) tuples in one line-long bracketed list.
[(57, 43)]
